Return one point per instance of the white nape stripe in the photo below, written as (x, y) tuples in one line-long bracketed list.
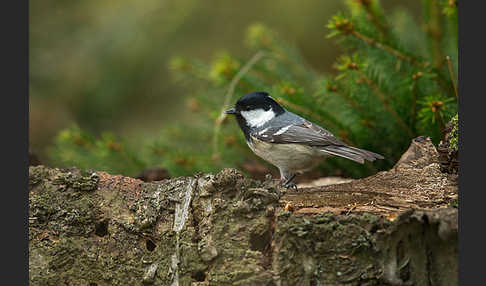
[(257, 117), (282, 130)]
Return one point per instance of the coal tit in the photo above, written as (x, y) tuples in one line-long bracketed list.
[(288, 141)]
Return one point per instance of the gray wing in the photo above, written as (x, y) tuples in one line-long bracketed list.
[(304, 132), (308, 133)]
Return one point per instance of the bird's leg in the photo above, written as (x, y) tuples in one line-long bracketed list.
[(286, 179), (290, 184)]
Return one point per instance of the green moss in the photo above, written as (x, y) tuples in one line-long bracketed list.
[(454, 203), (79, 180), (369, 217), (82, 182), (65, 213), (37, 174), (42, 207), (454, 135), (63, 216)]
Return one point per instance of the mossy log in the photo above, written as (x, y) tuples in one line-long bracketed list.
[(449, 147), (398, 227)]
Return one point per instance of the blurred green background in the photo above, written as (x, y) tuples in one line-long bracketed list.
[(103, 65)]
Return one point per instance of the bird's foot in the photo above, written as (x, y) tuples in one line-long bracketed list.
[(286, 181), (291, 185), (288, 184)]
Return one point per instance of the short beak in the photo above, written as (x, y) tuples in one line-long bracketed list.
[(231, 111)]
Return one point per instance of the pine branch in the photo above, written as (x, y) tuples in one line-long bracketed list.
[(383, 28), (367, 121), (347, 28), (348, 99), (385, 103), (453, 77), (436, 106), (433, 29), (413, 107), (388, 49)]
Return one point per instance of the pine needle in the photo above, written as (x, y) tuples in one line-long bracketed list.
[(453, 77)]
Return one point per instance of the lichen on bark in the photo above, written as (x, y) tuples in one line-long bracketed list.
[(394, 228)]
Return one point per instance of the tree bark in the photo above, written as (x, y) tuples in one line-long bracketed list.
[(398, 227)]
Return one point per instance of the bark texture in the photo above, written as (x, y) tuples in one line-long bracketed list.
[(397, 227)]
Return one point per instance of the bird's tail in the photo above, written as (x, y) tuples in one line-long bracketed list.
[(352, 153)]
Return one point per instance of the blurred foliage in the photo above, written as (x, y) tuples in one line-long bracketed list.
[(393, 83), (102, 153), (99, 63), (102, 65)]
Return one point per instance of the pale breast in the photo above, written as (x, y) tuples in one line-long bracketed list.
[(291, 156)]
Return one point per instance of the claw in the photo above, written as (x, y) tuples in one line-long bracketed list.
[(287, 183), (291, 185)]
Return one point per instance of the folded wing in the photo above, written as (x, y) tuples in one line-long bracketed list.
[(313, 135)]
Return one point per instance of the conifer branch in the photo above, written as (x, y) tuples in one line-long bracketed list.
[(347, 28), (367, 120), (350, 101), (413, 107), (434, 31), (387, 49), (385, 103), (441, 80), (229, 95), (383, 28), (453, 77), (436, 106)]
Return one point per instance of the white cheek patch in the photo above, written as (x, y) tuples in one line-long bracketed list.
[(258, 117)]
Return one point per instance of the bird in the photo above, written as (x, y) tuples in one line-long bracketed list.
[(286, 140)]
